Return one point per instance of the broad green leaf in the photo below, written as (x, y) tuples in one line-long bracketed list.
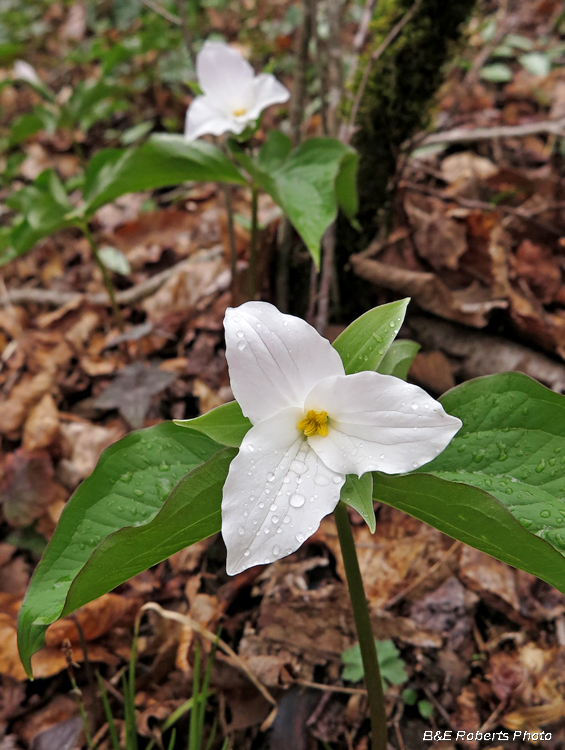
[(114, 260), (357, 492), (475, 518), (398, 358), (163, 160), (365, 342), (225, 424), (44, 208), (191, 512), (308, 183), (512, 445), (128, 487), (274, 151), (519, 42), (536, 63), (497, 73), (391, 664)]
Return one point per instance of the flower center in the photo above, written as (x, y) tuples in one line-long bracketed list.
[(314, 423), (239, 112)]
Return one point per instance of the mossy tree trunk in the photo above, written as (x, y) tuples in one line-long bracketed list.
[(396, 104)]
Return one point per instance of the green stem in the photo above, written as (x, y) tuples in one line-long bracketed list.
[(105, 277), (373, 681), (231, 240), (253, 245)]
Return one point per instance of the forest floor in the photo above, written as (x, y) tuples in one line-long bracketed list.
[(478, 243)]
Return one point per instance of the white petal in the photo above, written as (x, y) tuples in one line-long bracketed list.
[(274, 360), (276, 493), (203, 119), (222, 72), (378, 423), (267, 91)]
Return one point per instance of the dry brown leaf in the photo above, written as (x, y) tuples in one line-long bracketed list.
[(183, 290), (448, 610), (538, 266), (466, 165), (494, 581), (42, 426), (24, 396), (439, 239), (27, 486), (470, 306), (432, 371), (86, 442), (95, 618)]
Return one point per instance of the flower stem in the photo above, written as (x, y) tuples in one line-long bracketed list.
[(373, 681), (253, 245), (231, 239), (105, 277)]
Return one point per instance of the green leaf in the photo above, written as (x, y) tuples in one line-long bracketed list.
[(190, 513), (496, 73), (44, 208), (114, 260), (225, 424), (398, 359), (391, 664), (536, 63), (425, 708), (519, 42), (365, 342), (512, 445), (475, 518), (357, 492), (308, 183), (163, 160), (128, 487)]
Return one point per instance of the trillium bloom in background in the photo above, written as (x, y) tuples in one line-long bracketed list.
[(234, 96), (312, 425), (23, 71)]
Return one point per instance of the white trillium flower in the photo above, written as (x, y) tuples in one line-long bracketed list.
[(23, 71), (312, 425), (234, 96)]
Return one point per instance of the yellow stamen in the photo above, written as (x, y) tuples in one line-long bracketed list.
[(239, 112), (315, 422)]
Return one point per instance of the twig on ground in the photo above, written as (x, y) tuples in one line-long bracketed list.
[(158, 8), (390, 37), (468, 135), (125, 297), (482, 354), (481, 205), (331, 688), (213, 638)]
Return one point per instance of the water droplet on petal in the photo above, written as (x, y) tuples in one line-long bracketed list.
[(275, 519), (382, 456), (298, 467), (261, 505), (272, 507), (336, 479), (300, 537), (250, 448), (276, 549), (240, 334), (270, 476), (321, 480), (286, 519), (297, 501), (246, 552), (241, 345), (241, 530)]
